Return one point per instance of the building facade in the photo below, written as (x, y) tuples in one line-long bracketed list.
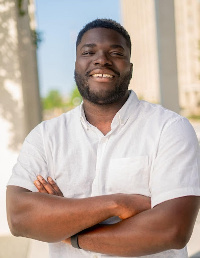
[(139, 18)]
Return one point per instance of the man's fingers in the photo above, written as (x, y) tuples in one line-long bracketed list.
[(55, 187), (49, 189), (48, 186), (39, 186)]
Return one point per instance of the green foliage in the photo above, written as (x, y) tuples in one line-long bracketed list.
[(21, 11), (36, 37), (194, 117), (75, 97), (53, 100)]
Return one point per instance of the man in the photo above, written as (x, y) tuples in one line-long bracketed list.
[(104, 162)]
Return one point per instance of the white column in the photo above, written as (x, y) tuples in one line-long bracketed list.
[(19, 94), (167, 58)]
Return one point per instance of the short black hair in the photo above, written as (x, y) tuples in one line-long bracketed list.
[(105, 23)]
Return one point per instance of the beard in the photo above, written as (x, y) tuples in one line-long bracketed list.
[(103, 97)]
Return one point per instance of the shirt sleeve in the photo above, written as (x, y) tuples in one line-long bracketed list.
[(31, 161), (176, 169)]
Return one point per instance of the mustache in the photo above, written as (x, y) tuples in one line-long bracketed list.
[(111, 69)]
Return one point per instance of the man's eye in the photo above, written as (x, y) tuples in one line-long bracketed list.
[(87, 53), (116, 53)]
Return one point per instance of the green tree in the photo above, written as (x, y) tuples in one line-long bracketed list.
[(53, 100), (75, 97)]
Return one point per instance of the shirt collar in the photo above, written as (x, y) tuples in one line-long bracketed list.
[(126, 110), (82, 116), (121, 116)]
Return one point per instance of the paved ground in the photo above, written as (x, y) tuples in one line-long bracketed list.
[(18, 247)]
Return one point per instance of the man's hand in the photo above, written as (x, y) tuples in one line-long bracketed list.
[(48, 186), (131, 204), (128, 205)]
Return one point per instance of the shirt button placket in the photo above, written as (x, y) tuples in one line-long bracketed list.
[(100, 152)]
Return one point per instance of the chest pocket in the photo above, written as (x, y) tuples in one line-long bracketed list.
[(128, 175)]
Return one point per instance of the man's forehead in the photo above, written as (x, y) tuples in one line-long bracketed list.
[(102, 35)]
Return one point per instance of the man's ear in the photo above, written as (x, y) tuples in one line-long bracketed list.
[(131, 69)]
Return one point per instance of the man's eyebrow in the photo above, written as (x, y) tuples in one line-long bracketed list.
[(94, 45), (89, 45), (116, 46)]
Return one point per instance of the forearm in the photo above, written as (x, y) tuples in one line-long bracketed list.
[(131, 237), (51, 218), (149, 232)]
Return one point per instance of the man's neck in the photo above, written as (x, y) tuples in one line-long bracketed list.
[(101, 116)]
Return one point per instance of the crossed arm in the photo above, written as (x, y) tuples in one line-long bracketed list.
[(51, 217)]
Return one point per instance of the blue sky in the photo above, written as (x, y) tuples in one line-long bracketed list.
[(59, 22)]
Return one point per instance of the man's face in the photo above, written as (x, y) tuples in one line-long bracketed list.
[(103, 69)]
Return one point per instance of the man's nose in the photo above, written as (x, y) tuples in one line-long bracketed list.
[(102, 59)]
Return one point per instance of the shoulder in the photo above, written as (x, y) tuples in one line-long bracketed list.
[(164, 123), (163, 117), (68, 119), (158, 111), (55, 126)]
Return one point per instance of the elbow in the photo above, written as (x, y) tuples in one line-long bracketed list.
[(181, 242), (14, 225), (16, 212), (180, 238), (16, 222)]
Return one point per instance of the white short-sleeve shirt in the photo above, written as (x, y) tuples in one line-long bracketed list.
[(150, 151)]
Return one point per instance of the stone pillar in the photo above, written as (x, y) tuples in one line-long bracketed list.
[(167, 58), (28, 64), (19, 91)]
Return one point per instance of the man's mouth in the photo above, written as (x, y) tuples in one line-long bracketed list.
[(102, 75)]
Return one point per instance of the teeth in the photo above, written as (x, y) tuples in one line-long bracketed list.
[(102, 75), (107, 75), (97, 75)]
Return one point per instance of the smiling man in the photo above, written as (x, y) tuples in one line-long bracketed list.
[(115, 176), (108, 83)]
